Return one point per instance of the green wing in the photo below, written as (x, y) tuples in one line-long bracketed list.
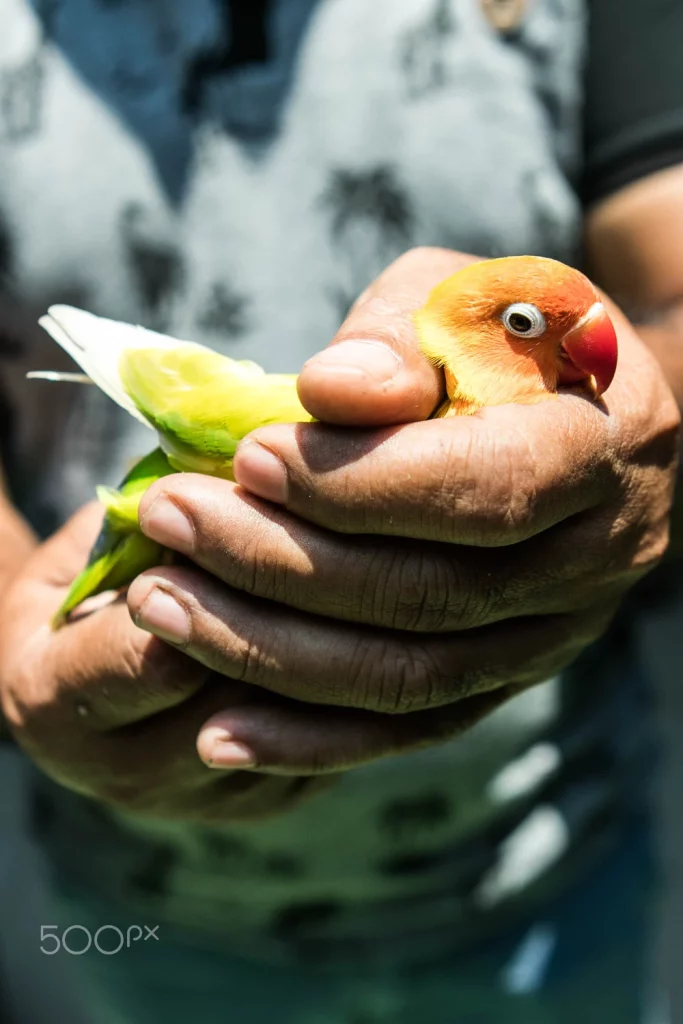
[(127, 558), (203, 403), (120, 552), (122, 504)]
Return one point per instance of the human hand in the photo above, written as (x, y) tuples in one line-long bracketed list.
[(111, 712), (407, 568)]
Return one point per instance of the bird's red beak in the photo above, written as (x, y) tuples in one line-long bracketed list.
[(589, 350)]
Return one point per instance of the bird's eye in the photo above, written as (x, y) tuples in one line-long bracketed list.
[(524, 320)]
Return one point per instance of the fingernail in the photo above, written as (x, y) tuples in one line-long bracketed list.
[(260, 471), (164, 522), (162, 615), (371, 359), (227, 753)]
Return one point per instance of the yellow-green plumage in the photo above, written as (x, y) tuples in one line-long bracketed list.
[(120, 552), (201, 404)]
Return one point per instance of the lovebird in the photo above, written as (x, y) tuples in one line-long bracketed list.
[(510, 330)]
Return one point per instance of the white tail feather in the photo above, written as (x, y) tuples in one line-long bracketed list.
[(56, 376), (96, 344)]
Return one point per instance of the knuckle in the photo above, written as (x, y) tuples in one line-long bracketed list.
[(651, 426), (427, 590), (379, 587), (513, 490), (651, 549), (424, 591), (378, 306), (669, 420), (378, 317), (635, 543), (275, 571), (252, 657), (493, 483), (249, 667), (395, 678), (408, 276), (257, 570)]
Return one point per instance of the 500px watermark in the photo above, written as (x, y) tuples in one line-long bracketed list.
[(108, 939)]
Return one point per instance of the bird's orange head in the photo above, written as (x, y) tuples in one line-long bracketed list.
[(515, 330)]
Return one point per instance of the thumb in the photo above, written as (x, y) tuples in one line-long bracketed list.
[(373, 373)]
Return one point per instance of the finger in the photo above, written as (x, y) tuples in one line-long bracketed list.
[(486, 480), (318, 660), (100, 670), (373, 372), (494, 478), (419, 586), (304, 739)]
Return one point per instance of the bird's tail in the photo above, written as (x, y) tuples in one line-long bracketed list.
[(120, 552), (130, 556)]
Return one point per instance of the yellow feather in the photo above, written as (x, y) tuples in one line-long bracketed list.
[(203, 403)]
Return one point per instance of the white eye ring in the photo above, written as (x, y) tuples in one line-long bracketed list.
[(524, 320)]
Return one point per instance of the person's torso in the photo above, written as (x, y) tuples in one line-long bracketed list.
[(238, 179)]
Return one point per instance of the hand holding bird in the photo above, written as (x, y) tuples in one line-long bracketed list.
[(505, 331), (407, 564)]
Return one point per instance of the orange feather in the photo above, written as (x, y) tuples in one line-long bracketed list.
[(461, 329)]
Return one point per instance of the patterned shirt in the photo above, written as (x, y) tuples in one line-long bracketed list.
[(237, 173)]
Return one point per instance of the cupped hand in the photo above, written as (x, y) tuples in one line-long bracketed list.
[(112, 712), (410, 564)]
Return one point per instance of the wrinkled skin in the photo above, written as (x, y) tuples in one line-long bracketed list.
[(493, 549)]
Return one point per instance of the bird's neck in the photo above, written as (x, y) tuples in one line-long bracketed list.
[(473, 383)]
